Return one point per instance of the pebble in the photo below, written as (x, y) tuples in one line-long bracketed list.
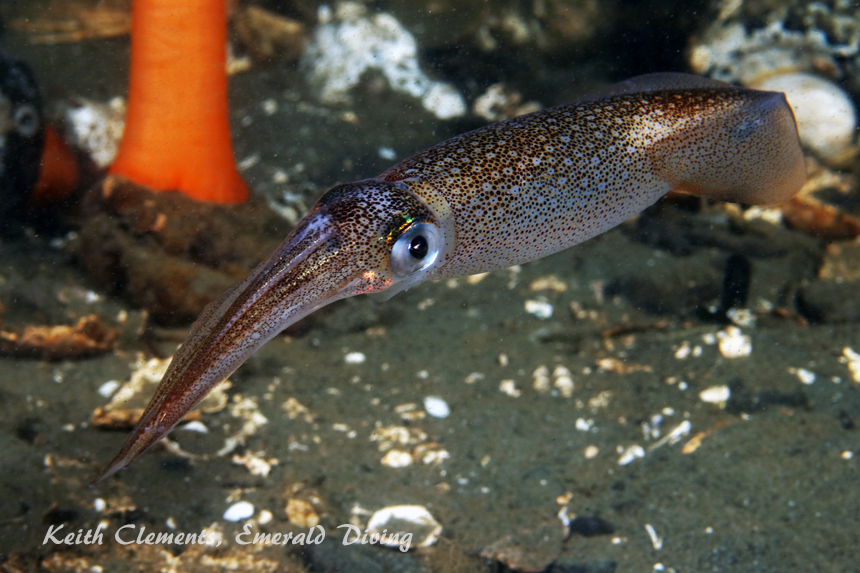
[(509, 387), (630, 454), (108, 388), (563, 381), (733, 343), (397, 459), (354, 358), (195, 426), (436, 407), (239, 511), (804, 375), (715, 395), (542, 310)]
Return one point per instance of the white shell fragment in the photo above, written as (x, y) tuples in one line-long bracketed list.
[(541, 379), (540, 309), (716, 395), (397, 459), (436, 407), (563, 381), (239, 511), (414, 524), (108, 388), (805, 376), (630, 454), (354, 358), (352, 42), (852, 360), (733, 343), (509, 387), (195, 426)]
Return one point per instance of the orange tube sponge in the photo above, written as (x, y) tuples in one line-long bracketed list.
[(177, 135)]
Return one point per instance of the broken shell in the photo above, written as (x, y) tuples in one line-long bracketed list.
[(718, 395), (239, 511), (733, 343), (413, 520), (397, 459), (538, 308), (436, 407), (90, 336), (302, 513)]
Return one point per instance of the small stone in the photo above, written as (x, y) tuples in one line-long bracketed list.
[(716, 395), (108, 388), (436, 407), (239, 511), (540, 309), (630, 454), (397, 459), (733, 343), (354, 358)]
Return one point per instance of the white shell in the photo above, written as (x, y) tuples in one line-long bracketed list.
[(716, 395), (436, 407), (239, 511), (414, 519)]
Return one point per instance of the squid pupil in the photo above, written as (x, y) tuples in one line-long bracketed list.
[(418, 247)]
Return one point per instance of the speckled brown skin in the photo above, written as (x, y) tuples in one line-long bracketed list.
[(508, 193)]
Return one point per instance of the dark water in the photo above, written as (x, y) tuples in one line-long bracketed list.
[(767, 481)]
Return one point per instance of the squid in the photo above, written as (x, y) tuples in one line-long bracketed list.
[(498, 196)]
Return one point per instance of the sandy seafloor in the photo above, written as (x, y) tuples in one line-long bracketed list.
[(771, 487)]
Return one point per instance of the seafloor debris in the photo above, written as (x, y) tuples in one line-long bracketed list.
[(755, 39), (777, 46), (168, 253), (74, 21), (531, 550), (498, 103), (239, 511), (349, 42), (301, 513), (833, 297), (127, 404), (413, 520), (810, 215), (266, 34), (87, 337)]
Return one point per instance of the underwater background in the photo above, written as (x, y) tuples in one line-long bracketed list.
[(681, 393)]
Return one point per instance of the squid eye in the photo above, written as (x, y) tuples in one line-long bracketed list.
[(416, 249)]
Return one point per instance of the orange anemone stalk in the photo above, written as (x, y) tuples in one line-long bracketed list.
[(177, 134)]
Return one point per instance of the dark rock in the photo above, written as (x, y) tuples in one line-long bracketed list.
[(168, 253)]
